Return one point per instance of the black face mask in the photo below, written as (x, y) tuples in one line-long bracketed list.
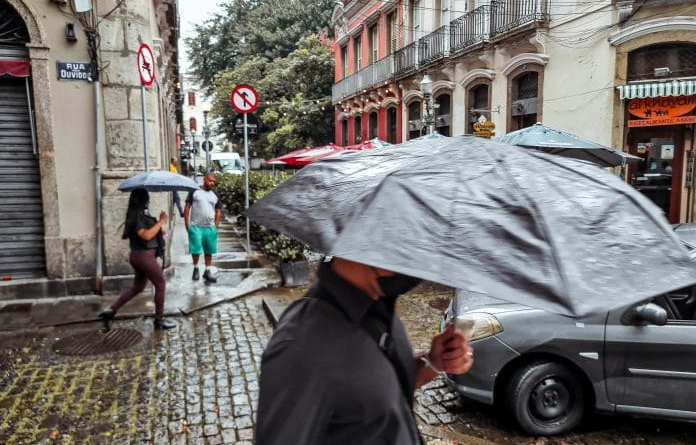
[(397, 284)]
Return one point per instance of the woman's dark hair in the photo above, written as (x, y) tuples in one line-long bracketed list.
[(139, 198)]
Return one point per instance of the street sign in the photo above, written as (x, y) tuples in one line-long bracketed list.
[(146, 64), (252, 125), (207, 146), (244, 99)]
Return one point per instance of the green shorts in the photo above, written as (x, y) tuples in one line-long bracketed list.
[(202, 240)]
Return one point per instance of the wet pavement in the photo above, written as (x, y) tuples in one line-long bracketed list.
[(197, 384)]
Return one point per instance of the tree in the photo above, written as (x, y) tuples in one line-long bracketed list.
[(295, 94), (253, 28)]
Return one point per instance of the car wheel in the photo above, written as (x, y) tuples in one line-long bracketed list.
[(545, 398)]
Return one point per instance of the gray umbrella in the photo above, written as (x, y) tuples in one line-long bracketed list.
[(159, 181), (561, 143), (544, 231)]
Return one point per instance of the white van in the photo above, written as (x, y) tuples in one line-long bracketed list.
[(227, 163)]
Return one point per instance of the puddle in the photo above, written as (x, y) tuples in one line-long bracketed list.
[(229, 278)]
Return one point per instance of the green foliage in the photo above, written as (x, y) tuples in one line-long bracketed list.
[(230, 189), (295, 94)]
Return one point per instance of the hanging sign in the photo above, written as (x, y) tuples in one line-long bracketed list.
[(146, 64), (244, 99)]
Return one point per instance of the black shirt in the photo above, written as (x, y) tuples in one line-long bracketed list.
[(136, 242), (325, 380)]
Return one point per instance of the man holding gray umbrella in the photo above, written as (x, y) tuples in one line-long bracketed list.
[(353, 370)]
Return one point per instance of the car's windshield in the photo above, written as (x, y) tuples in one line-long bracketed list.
[(228, 164)]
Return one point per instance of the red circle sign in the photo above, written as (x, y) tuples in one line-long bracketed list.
[(146, 64), (244, 99)]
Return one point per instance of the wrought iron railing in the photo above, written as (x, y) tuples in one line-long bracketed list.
[(433, 46), (507, 15), (482, 24), (470, 29), (405, 59)]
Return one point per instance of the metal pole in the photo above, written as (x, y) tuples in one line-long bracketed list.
[(193, 150), (246, 182), (145, 141), (98, 187), (206, 135)]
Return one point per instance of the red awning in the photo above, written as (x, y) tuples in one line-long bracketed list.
[(15, 67)]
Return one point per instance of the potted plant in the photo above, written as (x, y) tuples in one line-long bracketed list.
[(289, 254)]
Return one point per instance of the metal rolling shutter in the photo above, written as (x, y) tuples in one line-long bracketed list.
[(22, 252)]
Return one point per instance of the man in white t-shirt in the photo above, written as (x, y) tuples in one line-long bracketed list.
[(202, 217)]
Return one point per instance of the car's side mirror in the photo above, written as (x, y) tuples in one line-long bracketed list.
[(648, 313)]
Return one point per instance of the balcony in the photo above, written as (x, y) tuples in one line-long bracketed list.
[(434, 46), (512, 15), (483, 24), (470, 29)]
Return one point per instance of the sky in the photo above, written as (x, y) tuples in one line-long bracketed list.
[(193, 12)]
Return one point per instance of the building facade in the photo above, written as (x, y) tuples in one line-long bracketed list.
[(72, 128), (620, 73)]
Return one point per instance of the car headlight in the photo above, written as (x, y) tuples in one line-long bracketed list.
[(478, 325)]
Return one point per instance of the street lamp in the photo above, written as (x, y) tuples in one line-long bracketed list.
[(426, 86), (194, 151), (206, 136)]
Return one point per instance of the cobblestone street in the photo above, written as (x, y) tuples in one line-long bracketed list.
[(198, 385)]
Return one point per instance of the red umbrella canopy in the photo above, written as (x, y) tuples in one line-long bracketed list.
[(312, 154)]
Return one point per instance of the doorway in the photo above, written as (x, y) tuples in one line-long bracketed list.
[(659, 173)]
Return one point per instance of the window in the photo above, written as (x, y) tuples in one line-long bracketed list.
[(391, 125), (414, 119), (373, 121), (391, 33), (192, 124), (443, 114), (523, 110), (478, 102), (357, 129), (344, 132), (357, 53), (374, 44), (192, 98), (344, 62), (679, 58)]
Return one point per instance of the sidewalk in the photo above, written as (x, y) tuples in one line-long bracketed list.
[(237, 273)]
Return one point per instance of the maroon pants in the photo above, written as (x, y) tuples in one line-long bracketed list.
[(146, 268)]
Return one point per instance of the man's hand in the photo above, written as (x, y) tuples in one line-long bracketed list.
[(450, 352)]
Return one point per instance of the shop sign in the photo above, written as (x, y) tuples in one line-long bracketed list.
[(661, 107), (484, 128), (681, 120), (74, 71)]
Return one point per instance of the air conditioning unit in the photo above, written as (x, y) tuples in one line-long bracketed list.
[(524, 106)]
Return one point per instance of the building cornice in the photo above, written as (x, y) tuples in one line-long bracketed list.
[(680, 23), (525, 58)]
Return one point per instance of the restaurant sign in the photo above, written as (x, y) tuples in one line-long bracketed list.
[(655, 111)]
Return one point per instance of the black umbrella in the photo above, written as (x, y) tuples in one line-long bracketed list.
[(558, 142), (545, 231), (159, 181)]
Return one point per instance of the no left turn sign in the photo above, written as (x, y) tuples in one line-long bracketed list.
[(146, 64), (244, 99)]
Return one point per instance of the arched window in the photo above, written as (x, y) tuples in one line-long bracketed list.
[(391, 125), (192, 124), (478, 105), (344, 132), (373, 123), (357, 129), (192, 98), (414, 119), (525, 100), (679, 58), (443, 114)]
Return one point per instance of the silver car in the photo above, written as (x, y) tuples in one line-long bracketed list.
[(547, 371)]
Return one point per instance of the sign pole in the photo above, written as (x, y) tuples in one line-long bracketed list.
[(145, 141), (245, 99), (146, 70), (246, 182)]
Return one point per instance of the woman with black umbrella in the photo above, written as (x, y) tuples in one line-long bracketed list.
[(146, 244)]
